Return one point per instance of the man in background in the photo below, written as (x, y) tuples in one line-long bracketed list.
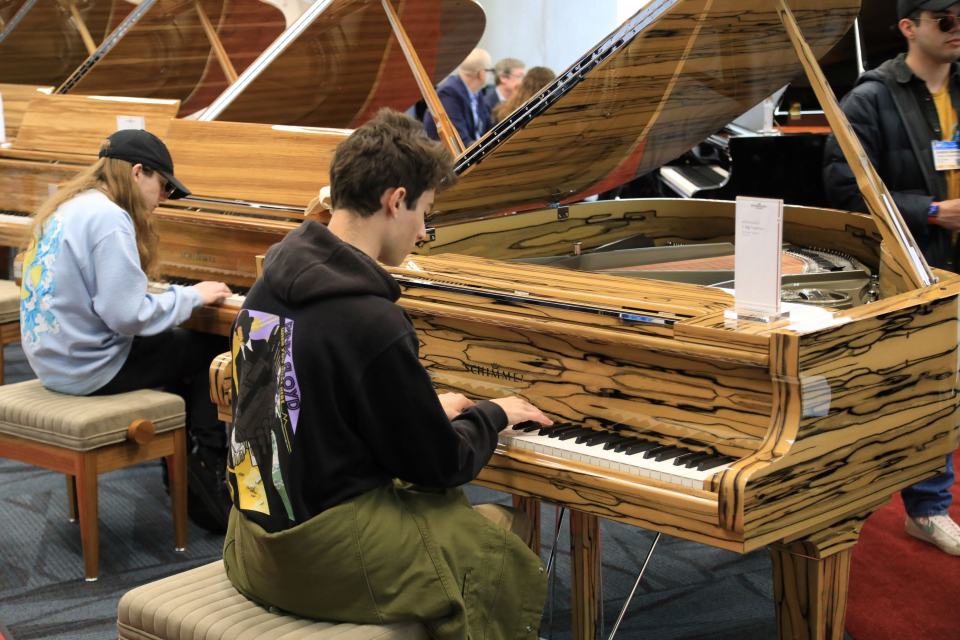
[(508, 74), (903, 112), (460, 96)]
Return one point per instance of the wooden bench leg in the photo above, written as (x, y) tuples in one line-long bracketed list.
[(531, 507), (87, 499), (72, 497), (177, 472)]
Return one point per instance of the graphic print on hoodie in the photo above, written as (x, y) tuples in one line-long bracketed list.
[(268, 401), (330, 399)]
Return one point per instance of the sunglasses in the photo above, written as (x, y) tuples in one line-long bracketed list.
[(946, 23), (168, 187)]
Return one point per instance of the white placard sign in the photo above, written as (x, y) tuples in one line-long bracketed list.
[(130, 122), (759, 240)]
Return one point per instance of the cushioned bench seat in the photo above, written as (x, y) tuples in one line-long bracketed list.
[(9, 302), (201, 604), (83, 437), (9, 317), (83, 423)]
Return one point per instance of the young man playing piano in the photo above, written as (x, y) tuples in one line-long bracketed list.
[(903, 112), (345, 464), (88, 324)]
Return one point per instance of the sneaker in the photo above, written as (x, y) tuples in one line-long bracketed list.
[(941, 531)]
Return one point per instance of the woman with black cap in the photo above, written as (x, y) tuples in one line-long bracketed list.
[(88, 324)]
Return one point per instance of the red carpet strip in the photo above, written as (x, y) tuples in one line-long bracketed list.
[(902, 588)]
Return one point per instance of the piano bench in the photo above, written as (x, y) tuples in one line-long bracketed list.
[(201, 603), (84, 436), (9, 317)]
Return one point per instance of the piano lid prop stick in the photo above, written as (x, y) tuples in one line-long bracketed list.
[(553, 554), (216, 45), (626, 604), (897, 240), (448, 133), (82, 28)]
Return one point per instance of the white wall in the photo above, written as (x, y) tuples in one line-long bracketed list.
[(552, 33)]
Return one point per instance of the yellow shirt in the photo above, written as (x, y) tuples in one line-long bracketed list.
[(948, 127)]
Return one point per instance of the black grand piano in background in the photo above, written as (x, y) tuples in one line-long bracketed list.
[(738, 162)]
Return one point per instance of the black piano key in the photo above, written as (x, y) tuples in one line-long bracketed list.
[(556, 433), (602, 437), (568, 435), (624, 441), (694, 459), (583, 437), (640, 447), (556, 425), (683, 457), (636, 445), (655, 450), (527, 426), (713, 463), (669, 453)]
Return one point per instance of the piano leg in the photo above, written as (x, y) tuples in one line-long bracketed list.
[(810, 595), (584, 572), (531, 507), (811, 575)]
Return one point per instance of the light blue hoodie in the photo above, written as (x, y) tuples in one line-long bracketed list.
[(84, 296)]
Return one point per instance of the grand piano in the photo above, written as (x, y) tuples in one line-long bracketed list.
[(43, 41), (255, 195), (335, 66), (788, 435), (610, 315)]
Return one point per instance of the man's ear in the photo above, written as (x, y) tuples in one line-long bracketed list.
[(908, 28), (394, 200), (137, 171)]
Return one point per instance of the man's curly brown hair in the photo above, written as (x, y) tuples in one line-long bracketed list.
[(390, 151)]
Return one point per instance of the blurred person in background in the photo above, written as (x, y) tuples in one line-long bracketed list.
[(460, 96), (507, 74), (534, 80)]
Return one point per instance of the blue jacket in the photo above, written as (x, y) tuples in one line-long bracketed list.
[(455, 98), (491, 98)]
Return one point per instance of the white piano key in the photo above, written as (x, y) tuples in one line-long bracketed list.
[(596, 455)]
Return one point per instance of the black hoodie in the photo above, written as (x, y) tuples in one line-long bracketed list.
[(329, 397)]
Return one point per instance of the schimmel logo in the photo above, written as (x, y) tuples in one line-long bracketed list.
[(197, 257), (493, 371)]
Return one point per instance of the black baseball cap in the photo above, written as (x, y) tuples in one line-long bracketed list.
[(906, 7), (142, 147)]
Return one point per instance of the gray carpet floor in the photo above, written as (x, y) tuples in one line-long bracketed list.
[(690, 591)]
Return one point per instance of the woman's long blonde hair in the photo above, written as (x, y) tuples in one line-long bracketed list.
[(113, 178), (534, 80)]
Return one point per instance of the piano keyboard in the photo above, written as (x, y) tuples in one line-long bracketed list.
[(12, 218), (235, 300), (645, 458)]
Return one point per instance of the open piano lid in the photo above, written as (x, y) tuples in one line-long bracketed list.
[(43, 41), (162, 50), (339, 63), (667, 79)]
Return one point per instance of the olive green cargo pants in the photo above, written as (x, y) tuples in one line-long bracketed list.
[(397, 554)]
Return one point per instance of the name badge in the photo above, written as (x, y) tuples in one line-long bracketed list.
[(946, 156)]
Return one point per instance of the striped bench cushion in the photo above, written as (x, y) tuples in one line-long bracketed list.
[(9, 302), (202, 605), (83, 423)]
